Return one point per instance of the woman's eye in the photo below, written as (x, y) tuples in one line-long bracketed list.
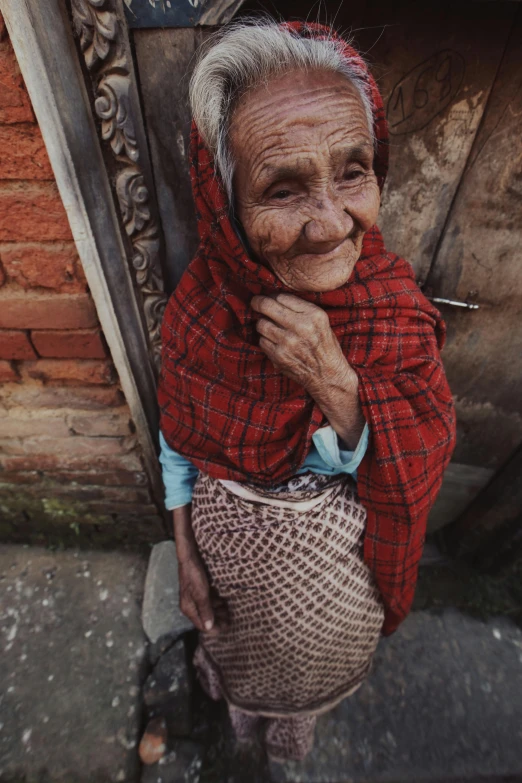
[(281, 194), (353, 174)]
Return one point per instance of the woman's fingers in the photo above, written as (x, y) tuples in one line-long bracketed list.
[(200, 594), (275, 310), (302, 317), (286, 301), (294, 303), (199, 611), (205, 612), (195, 594), (188, 608), (270, 330)]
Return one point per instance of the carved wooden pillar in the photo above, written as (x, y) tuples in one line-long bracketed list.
[(101, 29)]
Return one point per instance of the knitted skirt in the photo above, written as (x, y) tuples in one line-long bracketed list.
[(304, 613)]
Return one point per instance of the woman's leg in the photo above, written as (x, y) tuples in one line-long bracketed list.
[(245, 725), (290, 738), (206, 674)]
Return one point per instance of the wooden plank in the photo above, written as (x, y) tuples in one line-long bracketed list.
[(460, 485), (435, 64), (480, 259), (484, 531), (165, 59)]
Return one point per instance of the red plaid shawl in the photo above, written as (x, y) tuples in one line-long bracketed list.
[(225, 407)]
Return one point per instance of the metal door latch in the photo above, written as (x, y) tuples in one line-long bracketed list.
[(453, 302)]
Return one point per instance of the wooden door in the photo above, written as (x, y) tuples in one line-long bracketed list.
[(450, 76)]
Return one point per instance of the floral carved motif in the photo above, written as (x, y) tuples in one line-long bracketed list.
[(96, 28), (112, 107), (101, 37)]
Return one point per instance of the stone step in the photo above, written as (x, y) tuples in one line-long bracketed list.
[(73, 658), (442, 704)]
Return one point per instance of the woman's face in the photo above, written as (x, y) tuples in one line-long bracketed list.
[(304, 185)]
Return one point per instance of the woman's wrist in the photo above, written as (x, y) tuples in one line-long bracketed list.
[(186, 547), (336, 379), (336, 392)]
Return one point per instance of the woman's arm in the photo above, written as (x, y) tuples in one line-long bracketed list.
[(179, 476), (297, 337), (337, 394), (197, 601), (194, 588)]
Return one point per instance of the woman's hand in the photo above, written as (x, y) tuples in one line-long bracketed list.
[(297, 338), (198, 601), (194, 593)]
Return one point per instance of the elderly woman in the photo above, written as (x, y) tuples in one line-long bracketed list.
[(306, 419)]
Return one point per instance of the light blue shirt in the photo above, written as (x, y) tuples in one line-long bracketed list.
[(325, 457)]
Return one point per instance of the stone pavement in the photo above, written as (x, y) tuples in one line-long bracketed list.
[(443, 703), (73, 653)]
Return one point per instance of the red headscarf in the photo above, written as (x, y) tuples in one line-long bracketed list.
[(232, 414)]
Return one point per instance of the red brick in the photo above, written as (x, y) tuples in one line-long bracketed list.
[(36, 396), (51, 265), (96, 424), (25, 477), (11, 446), (114, 478), (71, 446), (80, 274), (23, 153), (15, 105), (47, 462), (25, 424), (32, 211), (2, 275), (15, 345), (123, 495), (80, 344), (46, 311), (8, 374), (77, 371), (128, 509)]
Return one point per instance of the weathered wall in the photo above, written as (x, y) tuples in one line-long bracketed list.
[(69, 462)]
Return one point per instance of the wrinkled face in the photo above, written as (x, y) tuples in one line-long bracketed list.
[(304, 185)]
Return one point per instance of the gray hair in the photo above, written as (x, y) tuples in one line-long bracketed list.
[(243, 56)]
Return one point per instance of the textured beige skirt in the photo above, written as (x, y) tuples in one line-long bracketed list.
[(304, 613)]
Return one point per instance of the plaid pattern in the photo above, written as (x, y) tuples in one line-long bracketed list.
[(225, 407)]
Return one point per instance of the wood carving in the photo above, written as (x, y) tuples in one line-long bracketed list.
[(96, 28), (101, 36), (112, 107), (133, 197)]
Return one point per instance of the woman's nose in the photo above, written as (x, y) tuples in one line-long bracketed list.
[(329, 222)]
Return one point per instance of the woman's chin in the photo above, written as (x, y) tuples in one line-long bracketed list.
[(327, 277)]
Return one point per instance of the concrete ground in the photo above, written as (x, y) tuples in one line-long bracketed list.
[(73, 653), (443, 702)]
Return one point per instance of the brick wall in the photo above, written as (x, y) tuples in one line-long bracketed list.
[(70, 466)]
